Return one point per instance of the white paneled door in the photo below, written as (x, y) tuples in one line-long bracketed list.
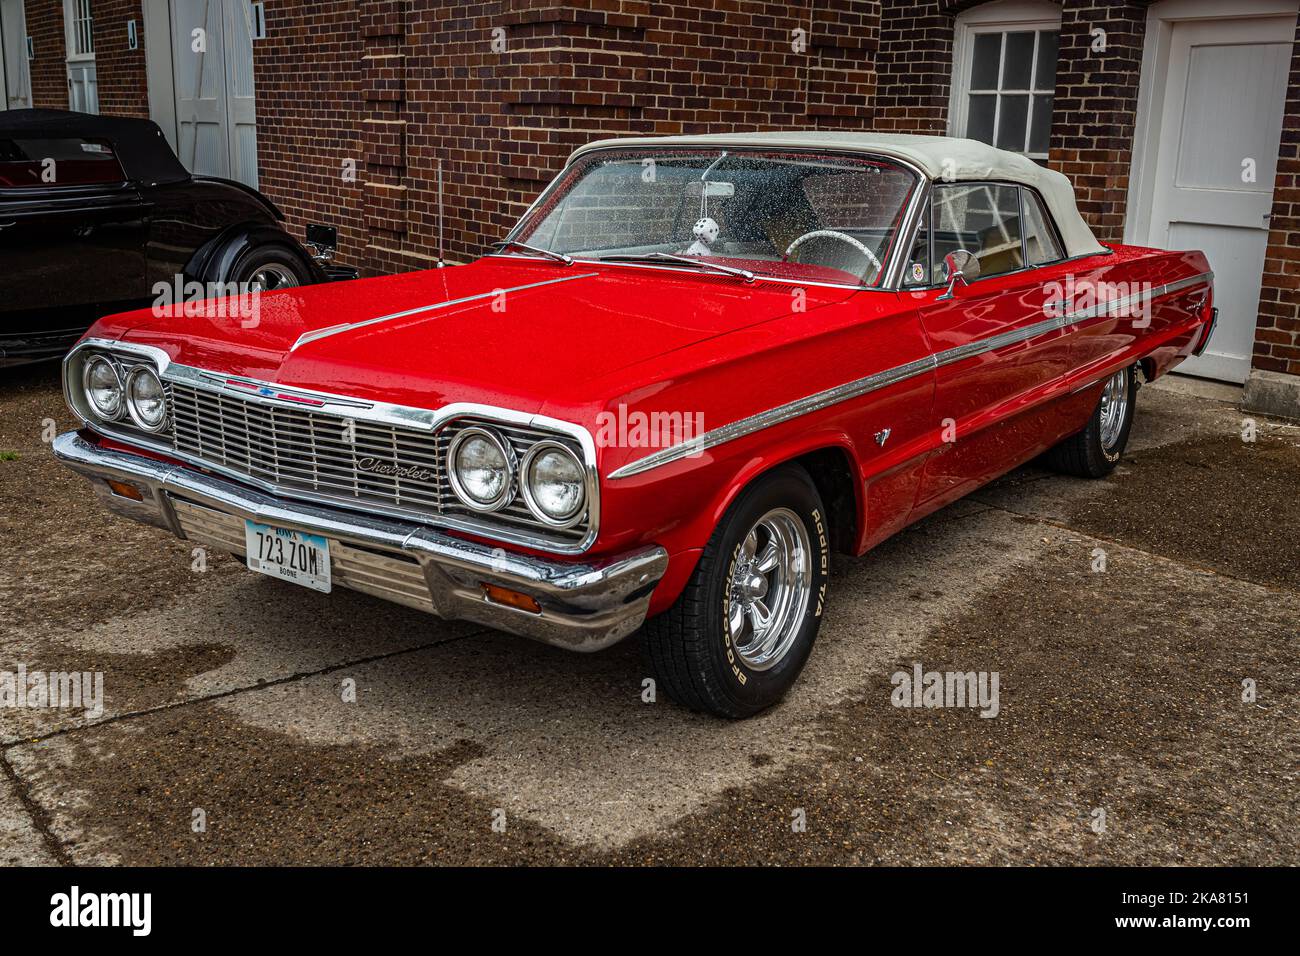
[(1219, 130), (15, 80), (212, 56)]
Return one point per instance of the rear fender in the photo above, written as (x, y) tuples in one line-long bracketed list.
[(216, 258)]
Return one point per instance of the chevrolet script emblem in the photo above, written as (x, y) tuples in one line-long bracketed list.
[(378, 467)]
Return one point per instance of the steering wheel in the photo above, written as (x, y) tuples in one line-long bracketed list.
[(843, 237)]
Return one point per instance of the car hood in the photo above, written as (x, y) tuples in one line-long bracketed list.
[(501, 331)]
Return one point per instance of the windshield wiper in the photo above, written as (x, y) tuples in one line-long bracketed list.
[(515, 243), (669, 257)]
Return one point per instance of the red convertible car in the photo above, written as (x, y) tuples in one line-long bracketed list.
[(694, 368)]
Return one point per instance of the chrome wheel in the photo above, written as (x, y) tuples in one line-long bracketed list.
[(771, 583), (270, 277), (1114, 410)]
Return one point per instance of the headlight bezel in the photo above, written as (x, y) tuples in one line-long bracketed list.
[(508, 457), (136, 417), (526, 484), (95, 361)]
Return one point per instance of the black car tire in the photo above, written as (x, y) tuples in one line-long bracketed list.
[(270, 260), (690, 648), (1095, 451)]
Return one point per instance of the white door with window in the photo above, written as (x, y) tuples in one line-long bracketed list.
[(79, 37), (1212, 155), (15, 78), (212, 59)]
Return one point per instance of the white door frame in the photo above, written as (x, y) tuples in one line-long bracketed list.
[(4, 91), (160, 78), (1161, 18)]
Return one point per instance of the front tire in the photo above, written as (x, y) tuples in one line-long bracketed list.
[(741, 631), (1095, 451)]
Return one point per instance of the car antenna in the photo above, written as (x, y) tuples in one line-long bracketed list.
[(441, 264)]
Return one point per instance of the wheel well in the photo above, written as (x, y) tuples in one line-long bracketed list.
[(832, 473)]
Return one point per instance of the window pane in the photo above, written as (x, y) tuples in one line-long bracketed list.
[(1018, 61), (1040, 127), (58, 162), (1011, 123), (1040, 241), (979, 117), (984, 63), (1045, 72), (981, 219)]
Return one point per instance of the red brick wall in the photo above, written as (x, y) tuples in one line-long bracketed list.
[(1277, 331), (423, 84), (120, 72), (1096, 108), (49, 69)]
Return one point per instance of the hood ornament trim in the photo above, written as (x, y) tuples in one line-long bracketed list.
[(316, 334)]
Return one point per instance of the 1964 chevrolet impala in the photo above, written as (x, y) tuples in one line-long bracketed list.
[(694, 368)]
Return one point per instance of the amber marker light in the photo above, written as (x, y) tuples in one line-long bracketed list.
[(499, 595), (124, 490)]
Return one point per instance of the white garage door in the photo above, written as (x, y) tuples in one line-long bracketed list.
[(212, 56), (1219, 130)]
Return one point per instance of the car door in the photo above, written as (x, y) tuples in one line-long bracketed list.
[(72, 230), (996, 342)]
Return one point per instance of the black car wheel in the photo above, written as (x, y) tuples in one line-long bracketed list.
[(1095, 451), (268, 268), (742, 629)]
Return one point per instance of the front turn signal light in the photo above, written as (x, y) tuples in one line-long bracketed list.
[(499, 595)]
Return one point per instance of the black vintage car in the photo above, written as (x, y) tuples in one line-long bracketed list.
[(97, 211)]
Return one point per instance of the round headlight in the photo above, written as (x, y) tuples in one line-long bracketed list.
[(103, 387), (145, 399), (482, 469), (554, 484)]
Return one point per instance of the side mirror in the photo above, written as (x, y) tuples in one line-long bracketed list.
[(962, 265)]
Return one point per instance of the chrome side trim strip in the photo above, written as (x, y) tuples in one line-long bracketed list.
[(774, 416), (315, 334), (841, 393)]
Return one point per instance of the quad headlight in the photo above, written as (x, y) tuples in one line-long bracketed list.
[(554, 484), (103, 387), (145, 400), (482, 469)]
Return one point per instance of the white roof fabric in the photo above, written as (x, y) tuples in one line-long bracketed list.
[(939, 157)]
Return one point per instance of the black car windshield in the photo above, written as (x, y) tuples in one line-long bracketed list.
[(786, 214)]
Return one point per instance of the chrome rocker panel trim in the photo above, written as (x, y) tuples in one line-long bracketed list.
[(586, 606), (842, 393)]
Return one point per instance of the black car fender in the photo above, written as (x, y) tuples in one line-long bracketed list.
[(215, 260)]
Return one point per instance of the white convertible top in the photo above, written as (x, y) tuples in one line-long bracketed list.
[(939, 157)]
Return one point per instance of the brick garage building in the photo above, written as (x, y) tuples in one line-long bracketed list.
[(356, 102)]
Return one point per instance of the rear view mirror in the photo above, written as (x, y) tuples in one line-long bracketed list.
[(710, 190)]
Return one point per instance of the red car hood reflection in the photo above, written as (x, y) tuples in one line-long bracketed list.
[(521, 338)]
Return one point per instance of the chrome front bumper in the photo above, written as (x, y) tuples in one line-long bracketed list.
[(585, 606)]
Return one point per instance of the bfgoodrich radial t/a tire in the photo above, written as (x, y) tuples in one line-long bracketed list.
[(743, 628), (1095, 451)]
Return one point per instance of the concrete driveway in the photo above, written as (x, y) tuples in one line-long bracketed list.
[(228, 734)]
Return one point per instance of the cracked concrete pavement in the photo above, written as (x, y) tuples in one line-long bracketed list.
[(1121, 691)]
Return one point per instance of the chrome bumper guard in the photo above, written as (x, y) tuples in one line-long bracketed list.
[(584, 606)]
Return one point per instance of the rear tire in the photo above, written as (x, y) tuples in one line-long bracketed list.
[(270, 267), (1095, 451), (768, 560)]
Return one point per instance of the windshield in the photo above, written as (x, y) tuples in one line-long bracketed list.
[(790, 215)]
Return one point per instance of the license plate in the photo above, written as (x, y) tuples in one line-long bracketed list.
[(289, 555)]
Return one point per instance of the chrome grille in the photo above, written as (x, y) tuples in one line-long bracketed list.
[(309, 451)]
